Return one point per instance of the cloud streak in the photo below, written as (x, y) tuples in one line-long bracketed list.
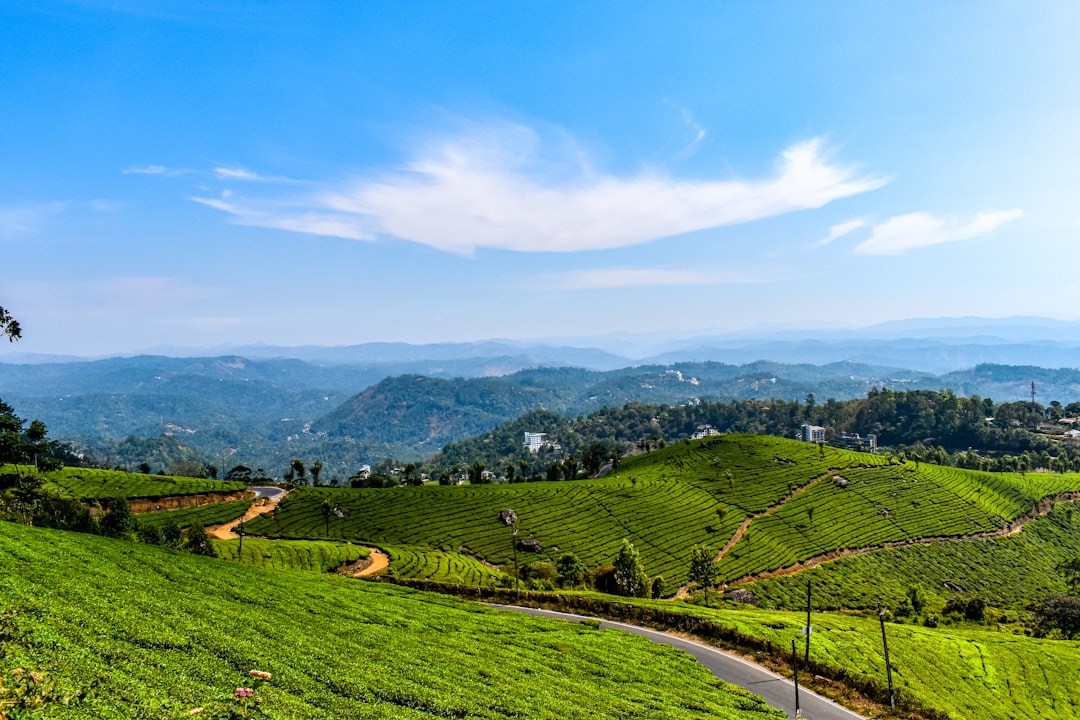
[(22, 219), (916, 230), (838, 231), (627, 277), (494, 190)]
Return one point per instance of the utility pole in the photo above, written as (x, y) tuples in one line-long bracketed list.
[(795, 668), (808, 629), (888, 667)]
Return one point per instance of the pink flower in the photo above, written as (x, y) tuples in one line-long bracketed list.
[(244, 692)]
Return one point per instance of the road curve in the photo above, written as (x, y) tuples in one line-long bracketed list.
[(778, 692), (268, 492)]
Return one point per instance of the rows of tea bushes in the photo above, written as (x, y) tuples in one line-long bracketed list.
[(868, 507), (213, 514), (307, 555), (966, 671), (1006, 572), (158, 633), (92, 483), (664, 502), (805, 501), (440, 565)]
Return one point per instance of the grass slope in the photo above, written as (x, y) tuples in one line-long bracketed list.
[(164, 632), (306, 555), (214, 514), (692, 493), (1006, 572), (969, 672), (92, 484)]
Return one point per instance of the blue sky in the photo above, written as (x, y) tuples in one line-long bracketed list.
[(195, 173)]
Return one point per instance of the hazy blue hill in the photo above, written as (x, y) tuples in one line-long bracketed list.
[(1009, 382)]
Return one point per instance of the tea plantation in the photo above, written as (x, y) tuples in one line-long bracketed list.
[(1009, 572), (967, 671), (154, 633), (801, 502), (93, 483)]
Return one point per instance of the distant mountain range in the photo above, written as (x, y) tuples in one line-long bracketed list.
[(263, 412), (935, 346)]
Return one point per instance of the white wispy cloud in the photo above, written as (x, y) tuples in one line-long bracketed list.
[(151, 170), (921, 229), (628, 277), (21, 219), (698, 132), (838, 231), (495, 190), (239, 173)]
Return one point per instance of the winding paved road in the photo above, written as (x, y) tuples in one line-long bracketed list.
[(778, 692)]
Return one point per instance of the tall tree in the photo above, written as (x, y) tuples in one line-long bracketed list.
[(630, 577), (702, 568), (9, 326)]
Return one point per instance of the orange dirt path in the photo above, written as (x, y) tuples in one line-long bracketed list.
[(225, 532)]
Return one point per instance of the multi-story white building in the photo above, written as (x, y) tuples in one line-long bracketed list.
[(813, 433), (534, 441)]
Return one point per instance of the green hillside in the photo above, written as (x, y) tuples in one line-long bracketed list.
[(800, 501), (1008, 572), (154, 633), (94, 484), (967, 671)]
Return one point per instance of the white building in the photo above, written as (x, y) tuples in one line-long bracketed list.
[(813, 433), (534, 441)]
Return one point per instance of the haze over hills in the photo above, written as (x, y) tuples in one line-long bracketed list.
[(937, 345)]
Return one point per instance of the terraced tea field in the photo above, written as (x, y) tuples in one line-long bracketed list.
[(160, 633), (91, 483), (867, 507), (969, 672), (426, 564), (214, 514), (1005, 572), (696, 493), (306, 555)]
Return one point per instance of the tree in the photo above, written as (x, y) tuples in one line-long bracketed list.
[(316, 470), (299, 471), (198, 542), (327, 509), (1061, 613), (9, 326), (1071, 570), (630, 577), (702, 568), (593, 458), (571, 570), (119, 521)]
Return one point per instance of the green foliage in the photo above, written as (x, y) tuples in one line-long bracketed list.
[(571, 570), (198, 543), (1007, 572), (306, 555), (212, 514), (119, 521), (93, 483), (703, 568), (165, 632), (1060, 613), (630, 577), (673, 504)]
